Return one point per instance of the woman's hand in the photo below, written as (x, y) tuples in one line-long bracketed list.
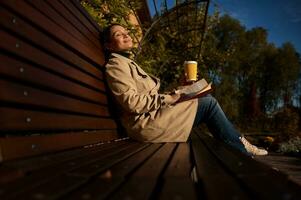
[(170, 99), (175, 97)]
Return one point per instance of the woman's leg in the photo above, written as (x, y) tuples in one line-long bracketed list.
[(210, 112)]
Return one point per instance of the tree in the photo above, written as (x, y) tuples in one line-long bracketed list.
[(251, 68), (174, 38), (252, 77), (106, 12), (269, 79), (221, 52), (289, 62)]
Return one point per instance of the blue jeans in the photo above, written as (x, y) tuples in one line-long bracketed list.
[(210, 112)]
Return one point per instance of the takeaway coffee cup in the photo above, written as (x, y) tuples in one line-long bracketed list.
[(191, 68)]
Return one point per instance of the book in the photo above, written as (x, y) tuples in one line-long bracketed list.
[(195, 90)]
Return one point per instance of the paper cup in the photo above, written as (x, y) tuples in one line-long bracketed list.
[(191, 69)]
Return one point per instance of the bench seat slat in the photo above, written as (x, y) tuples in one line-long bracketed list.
[(107, 159), (9, 173), (291, 165), (59, 7), (148, 174), (23, 72), (80, 17), (217, 182), (180, 165), (53, 189), (47, 61), (177, 181), (19, 26), (21, 120), (17, 146), (87, 16), (23, 95), (114, 176), (48, 173), (47, 25), (57, 18), (272, 184), (46, 159), (97, 167)]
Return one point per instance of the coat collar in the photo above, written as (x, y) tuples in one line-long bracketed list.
[(117, 55), (157, 80)]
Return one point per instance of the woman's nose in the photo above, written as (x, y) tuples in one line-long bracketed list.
[(125, 35)]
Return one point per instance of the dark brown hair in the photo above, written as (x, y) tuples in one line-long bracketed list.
[(106, 33), (105, 37)]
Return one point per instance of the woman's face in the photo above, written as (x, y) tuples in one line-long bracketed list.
[(119, 39)]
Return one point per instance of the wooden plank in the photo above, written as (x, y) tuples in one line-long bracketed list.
[(43, 178), (21, 120), (26, 30), (55, 192), (50, 27), (53, 189), (142, 183), (216, 182), (88, 17), (180, 164), (80, 17), (30, 164), (42, 175), (24, 146), (7, 174), (261, 180), (46, 61), (24, 95), (57, 18), (74, 21), (18, 70), (92, 169), (177, 182), (113, 177), (288, 164)]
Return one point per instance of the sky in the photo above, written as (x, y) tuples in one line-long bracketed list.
[(281, 18)]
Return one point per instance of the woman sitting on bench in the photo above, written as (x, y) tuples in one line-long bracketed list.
[(149, 116)]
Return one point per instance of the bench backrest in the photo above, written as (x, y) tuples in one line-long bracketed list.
[(51, 78)]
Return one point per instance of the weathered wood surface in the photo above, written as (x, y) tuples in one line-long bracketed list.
[(51, 77), (290, 165), (130, 170)]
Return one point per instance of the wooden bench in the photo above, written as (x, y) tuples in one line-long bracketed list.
[(59, 139)]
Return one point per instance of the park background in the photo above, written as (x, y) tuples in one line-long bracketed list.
[(256, 81)]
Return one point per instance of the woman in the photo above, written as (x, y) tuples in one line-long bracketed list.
[(152, 117)]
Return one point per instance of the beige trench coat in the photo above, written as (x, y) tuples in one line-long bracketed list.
[(147, 115)]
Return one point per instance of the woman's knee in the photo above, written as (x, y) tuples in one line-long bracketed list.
[(208, 100)]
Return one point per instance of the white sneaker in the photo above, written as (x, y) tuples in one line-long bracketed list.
[(252, 149)]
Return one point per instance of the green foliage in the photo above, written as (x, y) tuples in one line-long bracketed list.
[(252, 77), (173, 39), (106, 12), (291, 146)]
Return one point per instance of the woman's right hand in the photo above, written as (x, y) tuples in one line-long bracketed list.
[(175, 97)]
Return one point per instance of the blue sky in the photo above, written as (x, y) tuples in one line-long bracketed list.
[(282, 18)]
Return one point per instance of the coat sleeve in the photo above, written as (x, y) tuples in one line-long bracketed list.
[(123, 87)]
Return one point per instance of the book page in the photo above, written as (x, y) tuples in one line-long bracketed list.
[(192, 89), (196, 90)]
